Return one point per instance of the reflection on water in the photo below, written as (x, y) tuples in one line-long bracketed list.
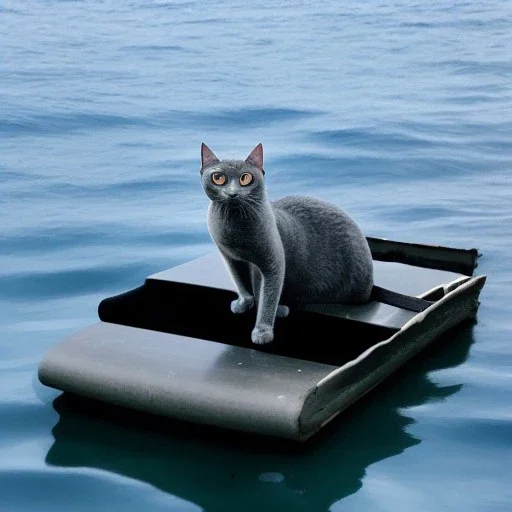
[(221, 470)]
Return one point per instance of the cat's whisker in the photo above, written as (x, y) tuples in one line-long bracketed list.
[(250, 208)]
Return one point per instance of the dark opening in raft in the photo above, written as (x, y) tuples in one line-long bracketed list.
[(204, 313)]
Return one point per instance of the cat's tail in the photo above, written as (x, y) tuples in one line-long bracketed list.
[(399, 300)]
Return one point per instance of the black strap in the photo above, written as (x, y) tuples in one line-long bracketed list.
[(399, 300)]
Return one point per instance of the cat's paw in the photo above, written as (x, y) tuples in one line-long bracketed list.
[(262, 334), (282, 311), (242, 304)]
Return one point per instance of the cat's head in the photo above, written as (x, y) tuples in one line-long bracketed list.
[(232, 180)]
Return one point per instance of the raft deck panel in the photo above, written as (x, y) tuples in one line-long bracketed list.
[(172, 347), (195, 380), (400, 277)]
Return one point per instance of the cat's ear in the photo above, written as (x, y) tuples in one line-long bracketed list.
[(207, 156), (256, 157)]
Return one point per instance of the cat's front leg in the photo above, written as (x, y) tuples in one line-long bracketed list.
[(282, 310), (239, 271), (268, 302)]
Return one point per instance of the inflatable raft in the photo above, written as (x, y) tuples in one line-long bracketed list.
[(172, 346)]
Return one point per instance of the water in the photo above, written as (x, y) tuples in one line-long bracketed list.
[(400, 112)]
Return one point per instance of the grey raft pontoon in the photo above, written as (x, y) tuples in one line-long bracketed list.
[(172, 346)]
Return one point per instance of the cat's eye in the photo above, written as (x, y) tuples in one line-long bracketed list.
[(246, 179), (219, 178)]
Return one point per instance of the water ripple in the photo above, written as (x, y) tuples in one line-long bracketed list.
[(36, 286), (115, 235), (81, 491), (60, 123)]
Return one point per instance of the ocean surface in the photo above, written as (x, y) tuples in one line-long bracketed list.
[(400, 112)]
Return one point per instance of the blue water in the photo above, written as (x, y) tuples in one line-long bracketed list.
[(400, 112)]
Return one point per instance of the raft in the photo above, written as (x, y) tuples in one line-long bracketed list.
[(172, 347)]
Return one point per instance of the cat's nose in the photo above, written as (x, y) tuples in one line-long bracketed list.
[(232, 193)]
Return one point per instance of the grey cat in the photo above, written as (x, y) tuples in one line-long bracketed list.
[(291, 251)]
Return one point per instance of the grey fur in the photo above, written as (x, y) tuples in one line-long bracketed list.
[(294, 250)]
